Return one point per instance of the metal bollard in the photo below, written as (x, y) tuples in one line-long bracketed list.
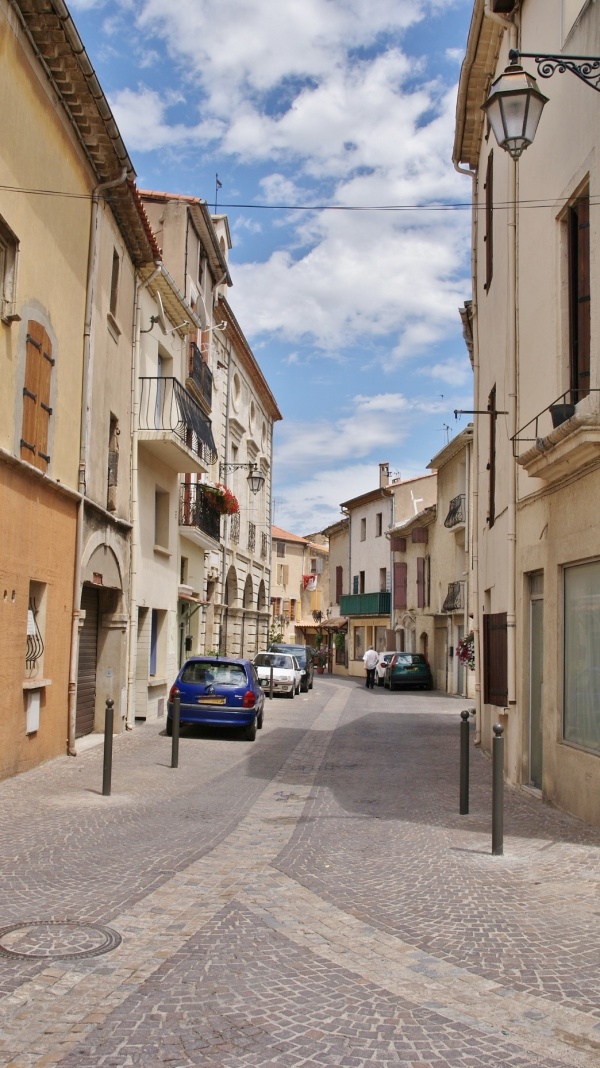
[(271, 683), (464, 762), (175, 736), (498, 791), (108, 743)]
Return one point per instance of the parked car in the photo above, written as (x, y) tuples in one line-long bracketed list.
[(287, 674), (218, 691), (304, 656), (384, 659), (408, 669)]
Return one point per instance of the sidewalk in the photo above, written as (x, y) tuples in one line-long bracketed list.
[(311, 898)]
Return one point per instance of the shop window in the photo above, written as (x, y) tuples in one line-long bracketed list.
[(581, 701)]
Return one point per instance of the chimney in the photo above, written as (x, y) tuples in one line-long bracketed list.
[(384, 475)]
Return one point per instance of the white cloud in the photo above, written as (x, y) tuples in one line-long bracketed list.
[(456, 372)]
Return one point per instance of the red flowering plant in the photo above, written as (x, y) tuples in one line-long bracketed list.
[(465, 650), (220, 498)]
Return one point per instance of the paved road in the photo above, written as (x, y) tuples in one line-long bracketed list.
[(312, 898)]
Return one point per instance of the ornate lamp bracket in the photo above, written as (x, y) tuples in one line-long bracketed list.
[(586, 68)]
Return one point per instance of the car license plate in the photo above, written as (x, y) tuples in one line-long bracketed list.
[(210, 700)]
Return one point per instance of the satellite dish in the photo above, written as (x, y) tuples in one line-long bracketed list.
[(161, 318)]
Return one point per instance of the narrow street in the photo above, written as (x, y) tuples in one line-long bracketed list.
[(312, 898)]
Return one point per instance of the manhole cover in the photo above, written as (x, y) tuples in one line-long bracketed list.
[(56, 939)]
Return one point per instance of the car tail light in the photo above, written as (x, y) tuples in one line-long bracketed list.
[(249, 699), (173, 692)]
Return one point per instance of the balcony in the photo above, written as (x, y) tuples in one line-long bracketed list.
[(200, 377), (264, 545), (454, 598), (365, 604), (173, 427), (195, 516), (251, 536), (561, 439), (456, 512)]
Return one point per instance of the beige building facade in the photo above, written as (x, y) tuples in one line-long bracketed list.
[(300, 586), (536, 324)]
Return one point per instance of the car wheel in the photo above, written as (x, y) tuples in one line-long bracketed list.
[(260, 720), (310, 685), (251, 731), (291, 694), (169, 728), (304, 687), (297, 689)]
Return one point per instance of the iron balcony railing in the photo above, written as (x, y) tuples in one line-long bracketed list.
[(252, 536), (234, 527), (166, 405), (201, 375), (564, 407), (194, 510), (454, 598), (456, 511)]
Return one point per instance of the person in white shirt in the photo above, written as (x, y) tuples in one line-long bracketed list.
[(370, 661)]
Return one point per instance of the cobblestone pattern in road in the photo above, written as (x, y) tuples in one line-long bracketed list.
[(311, 899)]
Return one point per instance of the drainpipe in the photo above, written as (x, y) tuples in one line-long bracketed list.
[(135, 518), (84, 436), (224, 610)]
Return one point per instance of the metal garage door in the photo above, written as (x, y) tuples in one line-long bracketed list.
[(86, 668)]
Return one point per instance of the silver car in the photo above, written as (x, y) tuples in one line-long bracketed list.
[(287, 673)]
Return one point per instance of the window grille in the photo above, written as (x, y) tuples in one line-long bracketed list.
[(35, 645)]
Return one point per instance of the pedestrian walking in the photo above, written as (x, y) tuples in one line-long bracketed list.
[(370, 660)]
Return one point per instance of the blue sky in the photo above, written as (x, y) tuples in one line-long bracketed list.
[(309, 110)]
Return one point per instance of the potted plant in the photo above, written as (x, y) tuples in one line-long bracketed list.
[(465, 650), (220, 498), (320, 660)]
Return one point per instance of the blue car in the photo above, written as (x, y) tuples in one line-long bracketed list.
[(218, 691)]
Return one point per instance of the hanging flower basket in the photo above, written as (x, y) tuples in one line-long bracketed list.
[(220, 499), (465, 650)]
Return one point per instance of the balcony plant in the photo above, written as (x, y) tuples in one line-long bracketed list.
[(465, 650), (220, 498), (320, 660)]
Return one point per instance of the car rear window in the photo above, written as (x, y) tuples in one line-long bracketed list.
[(214, 672), (276, 660), (410, 658)]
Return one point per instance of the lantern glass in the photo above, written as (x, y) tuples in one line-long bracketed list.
[(514, 107)]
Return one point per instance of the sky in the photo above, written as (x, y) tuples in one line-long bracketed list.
[(330, 125)]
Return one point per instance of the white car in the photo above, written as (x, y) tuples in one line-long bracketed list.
[(287, 673), (384, 659)]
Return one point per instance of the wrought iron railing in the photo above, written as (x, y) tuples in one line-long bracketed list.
[(252, 536), (456, 511), (35, 645), (454, 598), (564, 407), (201, 374), (234, 527), (264, 545), (194, 510), (166, 405)]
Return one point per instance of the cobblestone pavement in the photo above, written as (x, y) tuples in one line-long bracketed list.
[(312, 898)]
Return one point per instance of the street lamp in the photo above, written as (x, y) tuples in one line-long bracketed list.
[(255, 477), (515, 103)]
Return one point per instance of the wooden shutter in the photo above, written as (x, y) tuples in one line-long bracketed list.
[(36, 397), (579, 255), (400, 584), (420, 582), (495, 669), (420, 536), (398, 545), (489, 221), (339, 583)]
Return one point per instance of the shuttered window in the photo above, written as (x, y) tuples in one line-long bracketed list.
[(489, 221), (579, 295), (420, 582), (339, 583), (400, 585), (35, 432), (495, 674)]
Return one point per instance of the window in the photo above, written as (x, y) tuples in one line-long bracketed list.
[(420, 582), (36, 397), (157, 642), (339, 583), (9, 249), (400, 584), (276, 604), (161, 519), (378, 524), (280, 548), (383, 579), (491, 407), (114, 283), (581, 709), (282, 574), (361, 582), (113, 464), (359, 643), (363, 529), (578, 229), (489, 221), (495, 674), (355, 584), (36, 626)]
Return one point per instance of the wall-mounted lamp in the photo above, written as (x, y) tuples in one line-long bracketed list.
[(255, 477), (515, 103)]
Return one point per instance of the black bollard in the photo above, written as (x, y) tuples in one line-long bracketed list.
[(271, 683), (464, 762), (175, 737), (498, 791), (108, 742)]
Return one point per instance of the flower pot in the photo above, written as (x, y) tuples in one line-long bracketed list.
[(559, 413)]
